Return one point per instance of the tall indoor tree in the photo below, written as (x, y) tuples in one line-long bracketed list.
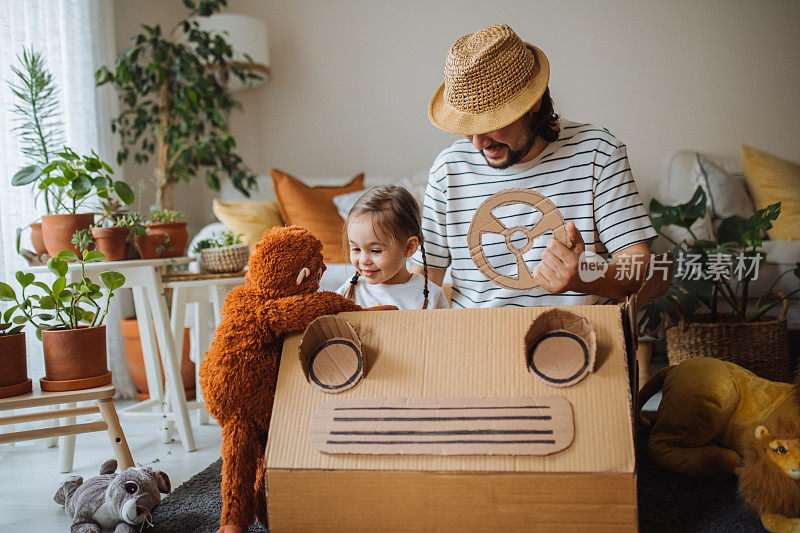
[(175, 103)]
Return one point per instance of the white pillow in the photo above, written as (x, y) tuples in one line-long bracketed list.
[(416, 186), (726, 190)]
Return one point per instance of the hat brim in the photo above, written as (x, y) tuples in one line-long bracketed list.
[(447, 118)]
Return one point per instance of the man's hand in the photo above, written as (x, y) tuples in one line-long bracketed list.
[(557, 272)]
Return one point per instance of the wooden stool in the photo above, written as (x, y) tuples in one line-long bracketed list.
[(37, 398)]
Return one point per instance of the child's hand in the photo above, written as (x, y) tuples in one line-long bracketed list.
[(382, 308)]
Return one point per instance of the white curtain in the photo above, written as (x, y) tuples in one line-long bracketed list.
[(76, 37)]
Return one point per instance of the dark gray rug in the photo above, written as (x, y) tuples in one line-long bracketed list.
[(668, 502)]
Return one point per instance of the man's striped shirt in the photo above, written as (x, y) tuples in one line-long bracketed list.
[(585, 173)]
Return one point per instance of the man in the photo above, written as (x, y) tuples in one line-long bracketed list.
[(495, 94)]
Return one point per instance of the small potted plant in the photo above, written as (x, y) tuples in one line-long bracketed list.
[(39, 126), (73, 181), (166, 236), (113, 232), (223, 253), (708, 307), (13, 361), (68, 317)]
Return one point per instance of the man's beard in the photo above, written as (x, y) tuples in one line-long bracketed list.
[(514, 155), (517, 153)]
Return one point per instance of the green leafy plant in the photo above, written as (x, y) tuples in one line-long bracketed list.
[(689, 292), (226, 238), (174, 103), (8, 324), (74, 180), (167, 216), (38, 121), (132, 221), (62, 305), (82, 239)]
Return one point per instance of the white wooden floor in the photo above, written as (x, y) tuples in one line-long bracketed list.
[(29, 470)]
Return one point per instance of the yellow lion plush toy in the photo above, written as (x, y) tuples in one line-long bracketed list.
[(770, 479), (717, 419)]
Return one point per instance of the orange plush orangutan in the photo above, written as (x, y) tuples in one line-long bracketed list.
[(240, 369)]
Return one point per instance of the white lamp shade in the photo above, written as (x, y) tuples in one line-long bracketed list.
[(246, 35)]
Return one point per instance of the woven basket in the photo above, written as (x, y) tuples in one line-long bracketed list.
[(761, 347), (226, 259)]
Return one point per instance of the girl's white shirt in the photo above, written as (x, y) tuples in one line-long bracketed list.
[(405, 296)]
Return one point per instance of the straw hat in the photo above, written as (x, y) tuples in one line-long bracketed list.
[(491, 78)]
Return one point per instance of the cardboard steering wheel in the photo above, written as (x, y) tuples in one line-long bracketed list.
[(485, 222)]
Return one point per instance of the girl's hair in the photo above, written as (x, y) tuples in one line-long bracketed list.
[(395, 215)]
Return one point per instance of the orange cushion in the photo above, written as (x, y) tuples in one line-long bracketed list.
[(312, 208)]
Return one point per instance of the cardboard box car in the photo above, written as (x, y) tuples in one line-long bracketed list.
[(459, 353)]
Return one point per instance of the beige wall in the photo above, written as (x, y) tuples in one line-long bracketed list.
[(352, 79)]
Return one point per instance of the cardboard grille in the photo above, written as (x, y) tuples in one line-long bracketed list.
[(538, 425)]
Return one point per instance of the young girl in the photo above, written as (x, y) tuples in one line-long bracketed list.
[(382, 231)]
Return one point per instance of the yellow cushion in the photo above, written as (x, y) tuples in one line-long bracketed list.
[(772, 179), (251, 219)]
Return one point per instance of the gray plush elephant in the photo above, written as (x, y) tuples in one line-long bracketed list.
[(112, 502)]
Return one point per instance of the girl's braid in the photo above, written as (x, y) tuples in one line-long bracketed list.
[(425, 291)]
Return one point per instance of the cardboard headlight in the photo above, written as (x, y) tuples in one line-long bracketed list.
[(560, 348), (330, 354)]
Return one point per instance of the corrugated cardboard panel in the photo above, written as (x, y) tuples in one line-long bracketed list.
[(313, 500), (455, 354)]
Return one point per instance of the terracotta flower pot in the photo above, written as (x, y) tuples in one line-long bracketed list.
[(113, 242), (37, 240), (13, 366), (74, 359), (173, 237), (133, 354), (148, 246), (57, 231)]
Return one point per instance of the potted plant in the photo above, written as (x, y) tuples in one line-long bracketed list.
[(174, 103), (165, 235), (708, 307), (68, 317), (73, 181), (13, 361), (223, 253), (39, 126), (114, 231)]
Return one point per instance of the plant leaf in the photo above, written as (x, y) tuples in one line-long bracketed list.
[(7, 293), (93, 256), (57, 266), (24, 279), (124, 192), (81, 186), (26, 175), (67, 255), (8, 313), (112, 280), (59, 285)]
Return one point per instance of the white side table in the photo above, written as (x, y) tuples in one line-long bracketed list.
[(167, 401), (204, 291)]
